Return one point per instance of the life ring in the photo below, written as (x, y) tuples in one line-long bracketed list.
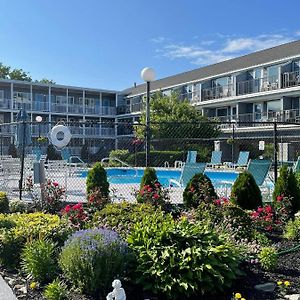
[(66, 139)]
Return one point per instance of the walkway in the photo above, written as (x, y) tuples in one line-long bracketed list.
[(5, 291)]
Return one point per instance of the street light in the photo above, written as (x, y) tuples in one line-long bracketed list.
[(148, 75), (39, 119)]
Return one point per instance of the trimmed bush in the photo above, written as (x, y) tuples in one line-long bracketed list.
[(245, 192), (268, 258), (92, 259), (4, 204), (180, 259), (121, 217), (292, 229), (97, 180), (199, 189), (149, 177), (287, 186), (38, 260)]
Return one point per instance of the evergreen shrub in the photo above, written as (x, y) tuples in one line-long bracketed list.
[(97, 180), (4, 203), (149, 177), (199, 189), (245, 192), (287, 186)]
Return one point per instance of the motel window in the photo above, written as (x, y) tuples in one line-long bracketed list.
[(21, 97)]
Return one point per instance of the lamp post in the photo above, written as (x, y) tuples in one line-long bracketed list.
[(39, 119), (148, 75)]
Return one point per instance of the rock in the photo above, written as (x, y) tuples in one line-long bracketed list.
[(18, 286), (23, 290), (292, 297), (268, 287)]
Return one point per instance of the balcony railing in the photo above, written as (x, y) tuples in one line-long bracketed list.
[(108, 110), (108, 131), (290, 79), (5, 103), (42, 129), (92, 110), (18, 105), (217, 92), (40, 106), (257, 85), (75, 109), (60, 108)]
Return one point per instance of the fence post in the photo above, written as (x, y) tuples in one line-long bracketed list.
[(275, 152)]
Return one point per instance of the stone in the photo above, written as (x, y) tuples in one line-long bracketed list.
[(23, 290), (292, 297), (268, 287)]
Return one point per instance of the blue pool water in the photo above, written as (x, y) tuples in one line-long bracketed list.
[(131, 176)]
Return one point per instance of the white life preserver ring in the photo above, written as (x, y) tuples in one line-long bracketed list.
[(67, 136)]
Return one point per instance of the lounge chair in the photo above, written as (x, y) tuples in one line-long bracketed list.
[(242, 160), (296, 167), (188, 171), (216, 159), (191, 157), (259, 168)]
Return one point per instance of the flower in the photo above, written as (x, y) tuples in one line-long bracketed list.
[(237, 296), (55, 183), (279, 198), (33, 285), (67, 208), (243, 298), (287, 283), (279, 282)]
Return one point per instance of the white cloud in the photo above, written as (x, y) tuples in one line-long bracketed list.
[(157, 40), (222, 47), (297, 33)]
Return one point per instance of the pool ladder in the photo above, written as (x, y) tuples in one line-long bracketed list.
[(124, 164)]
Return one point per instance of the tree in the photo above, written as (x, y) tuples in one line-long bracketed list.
[(172, 117), (4, 71), (19, 74), (46, 81)]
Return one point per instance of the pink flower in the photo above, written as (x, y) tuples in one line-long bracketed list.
[(77, 206), (155, 196), (55, 183), (269, 228), (218, 202), (259, 210), (279, 198), (67, 209), (268, 209)]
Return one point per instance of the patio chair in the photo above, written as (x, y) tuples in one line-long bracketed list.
[(242, 160), (296, 166), (191, 157), (188, 171), (259, 168), (216, 159)]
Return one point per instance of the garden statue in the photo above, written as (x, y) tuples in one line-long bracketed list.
[(118, 292)]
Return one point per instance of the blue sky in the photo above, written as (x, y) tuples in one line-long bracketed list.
[(105, 44)]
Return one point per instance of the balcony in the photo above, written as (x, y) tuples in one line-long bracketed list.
[(42, 129), (108, 131), (95, 130), (257, 85), (217, 92), (59, 108), (5, 103), (290, 79), (108, 110), (18, 105), (76, 130), (92, 110), (40, 106), (75, 109)]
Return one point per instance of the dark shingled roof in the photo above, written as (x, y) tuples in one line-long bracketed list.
[(231, 65)]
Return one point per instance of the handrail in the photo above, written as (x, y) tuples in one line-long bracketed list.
[(120, 161)]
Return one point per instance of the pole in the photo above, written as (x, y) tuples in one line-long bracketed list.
[(1, 140), (232, 144), (275, 152), (22, 160), (148, 125)]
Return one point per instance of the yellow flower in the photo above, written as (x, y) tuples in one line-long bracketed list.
[(33, 285), (279, 282), (287, 283), (243, 299), (237, 296)]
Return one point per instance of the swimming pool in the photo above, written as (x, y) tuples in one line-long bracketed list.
[(134, 176)]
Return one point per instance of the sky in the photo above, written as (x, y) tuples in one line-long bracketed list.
[(105, 44)]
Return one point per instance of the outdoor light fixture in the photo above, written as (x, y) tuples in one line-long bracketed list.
[(39, 119), (148, 75)]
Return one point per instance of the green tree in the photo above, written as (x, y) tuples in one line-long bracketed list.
[(46, 81), (19, 74), (4, 71), (173, 117)]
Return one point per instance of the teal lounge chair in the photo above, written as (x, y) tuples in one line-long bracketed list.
[(188, 171), (191, 157), (259, 168), (216, 159), (242, 160), (296, 167)]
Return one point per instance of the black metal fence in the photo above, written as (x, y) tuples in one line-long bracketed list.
[(121, 148)]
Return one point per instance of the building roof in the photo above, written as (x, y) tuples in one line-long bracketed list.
[(235, 64)]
